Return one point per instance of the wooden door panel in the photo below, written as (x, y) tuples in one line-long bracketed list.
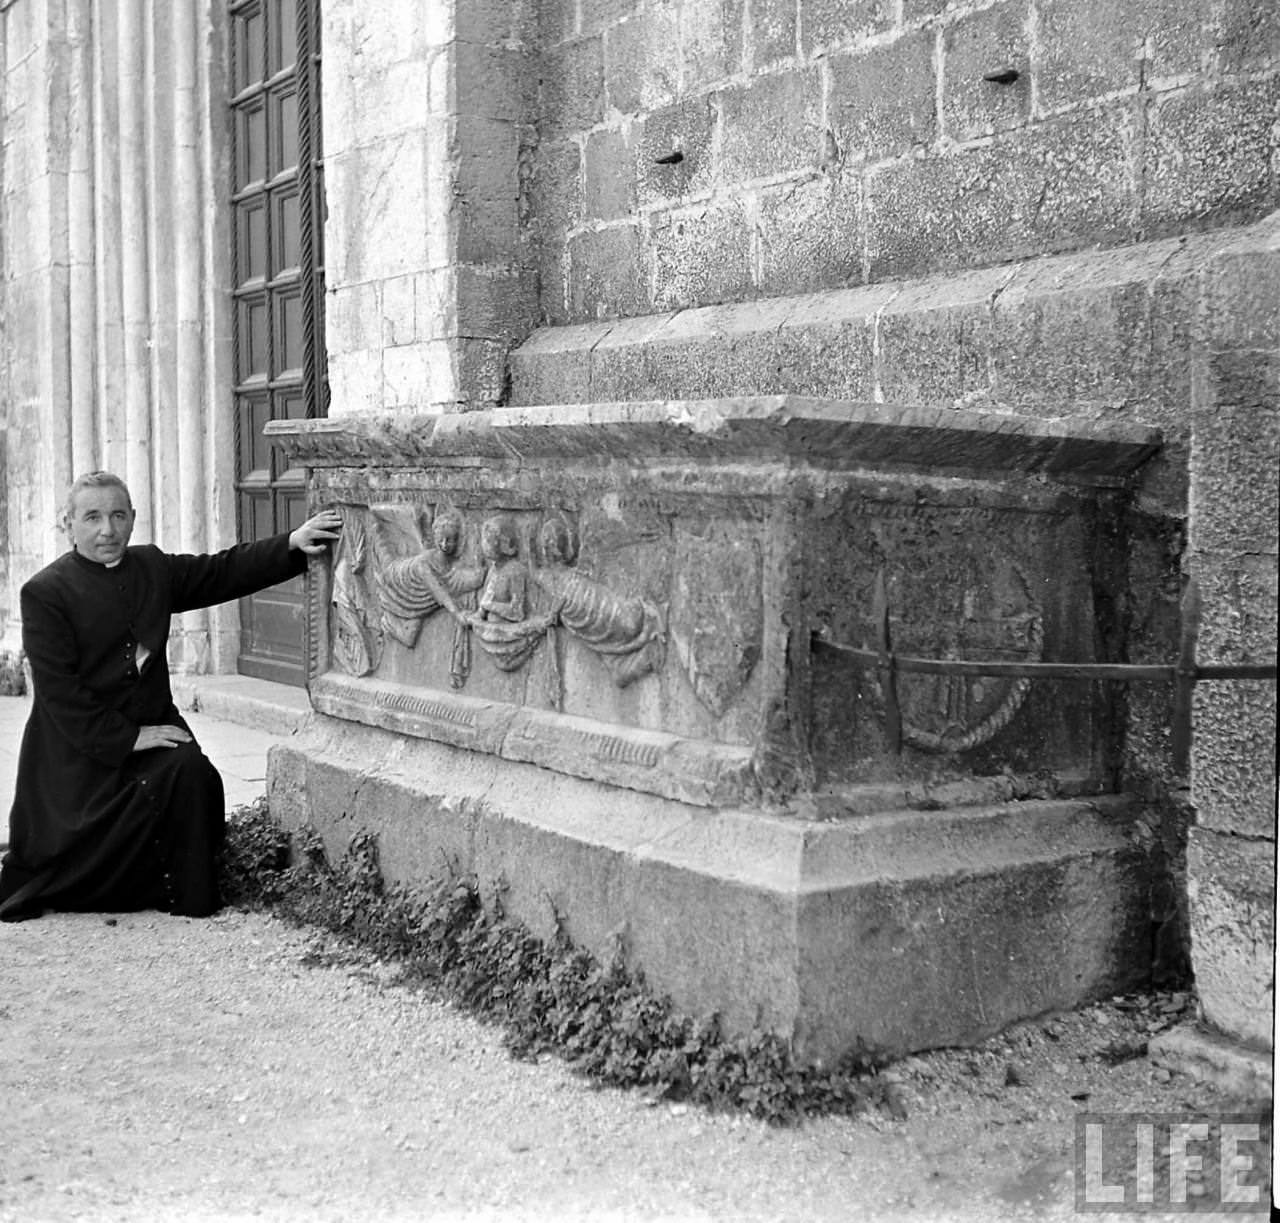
[(279, 285)]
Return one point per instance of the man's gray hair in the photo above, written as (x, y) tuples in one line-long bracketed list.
[(93, 479)]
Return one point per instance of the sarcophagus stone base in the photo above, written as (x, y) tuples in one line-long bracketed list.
[(595, 652)]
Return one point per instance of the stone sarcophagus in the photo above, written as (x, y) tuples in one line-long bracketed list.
[(602, 652)]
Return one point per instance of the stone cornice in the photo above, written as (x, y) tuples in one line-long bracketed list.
[(767, 429)]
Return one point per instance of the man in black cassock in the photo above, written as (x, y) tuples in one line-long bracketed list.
[(116, 807)]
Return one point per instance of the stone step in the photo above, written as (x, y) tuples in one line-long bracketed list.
[(277, 709)]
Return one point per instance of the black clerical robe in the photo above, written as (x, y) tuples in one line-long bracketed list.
[(95, 825)]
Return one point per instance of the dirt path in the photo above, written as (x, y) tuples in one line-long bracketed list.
[(157, 1068)]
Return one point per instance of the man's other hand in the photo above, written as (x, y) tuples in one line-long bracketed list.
[(312, 536), (160, 736)]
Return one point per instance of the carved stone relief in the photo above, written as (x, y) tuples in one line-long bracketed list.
[(357, 631), (388, 580), (417, 580), (975, 605), (717, 611), (629, 634)]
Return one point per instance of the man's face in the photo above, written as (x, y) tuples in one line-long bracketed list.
[(101, 522)]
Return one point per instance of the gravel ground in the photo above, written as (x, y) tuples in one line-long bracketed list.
[(158, 1068)]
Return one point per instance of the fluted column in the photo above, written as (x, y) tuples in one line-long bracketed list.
[(115, 246), (82, 314), (184, 496), (108, 255)]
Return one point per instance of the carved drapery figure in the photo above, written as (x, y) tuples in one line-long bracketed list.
[(387, 581), (628, 633), (415, 586), (502, 624), (357, 636)]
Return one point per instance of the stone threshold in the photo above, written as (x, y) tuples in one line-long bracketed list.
[(276, 709)]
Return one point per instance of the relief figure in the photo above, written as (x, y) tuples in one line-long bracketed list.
[(502, 623), (413, 587), (628, 633), (357, 635)]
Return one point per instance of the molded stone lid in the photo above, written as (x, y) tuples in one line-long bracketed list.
[(765, 428)]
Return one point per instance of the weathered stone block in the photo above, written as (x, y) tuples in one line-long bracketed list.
[(383, 35), (499, 22), (772, 35), (619, 360), (571, 86), (609, 183), (1234, 449), (384, 183), (711, 42), (554, 191), (418, 374), (481, 371), (607, 273), (491, 82), (883, 100), (826, 345), (1231, 883), (1239, 604), (935, 339), (1209, 153), (702, 255), (435, 305), (687, 128), (702, 348), (640, 73), (399, 313), (1094, 47), (835, 23), (486, 191), (771, 126), (352, 313), (355, 381), (366, 108), (553, 284), (972, 46), (1089, 344), (1250, 35), (554, 364), (597, 15), (1242, 293), (557, 21), (811, 234), (1065, 183), (1233, 776)]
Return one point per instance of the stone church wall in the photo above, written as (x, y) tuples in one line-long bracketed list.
[(701, 151)]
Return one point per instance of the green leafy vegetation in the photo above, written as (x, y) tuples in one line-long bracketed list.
[(548, 997)]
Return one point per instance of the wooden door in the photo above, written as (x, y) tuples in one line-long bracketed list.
[(277, 206)]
